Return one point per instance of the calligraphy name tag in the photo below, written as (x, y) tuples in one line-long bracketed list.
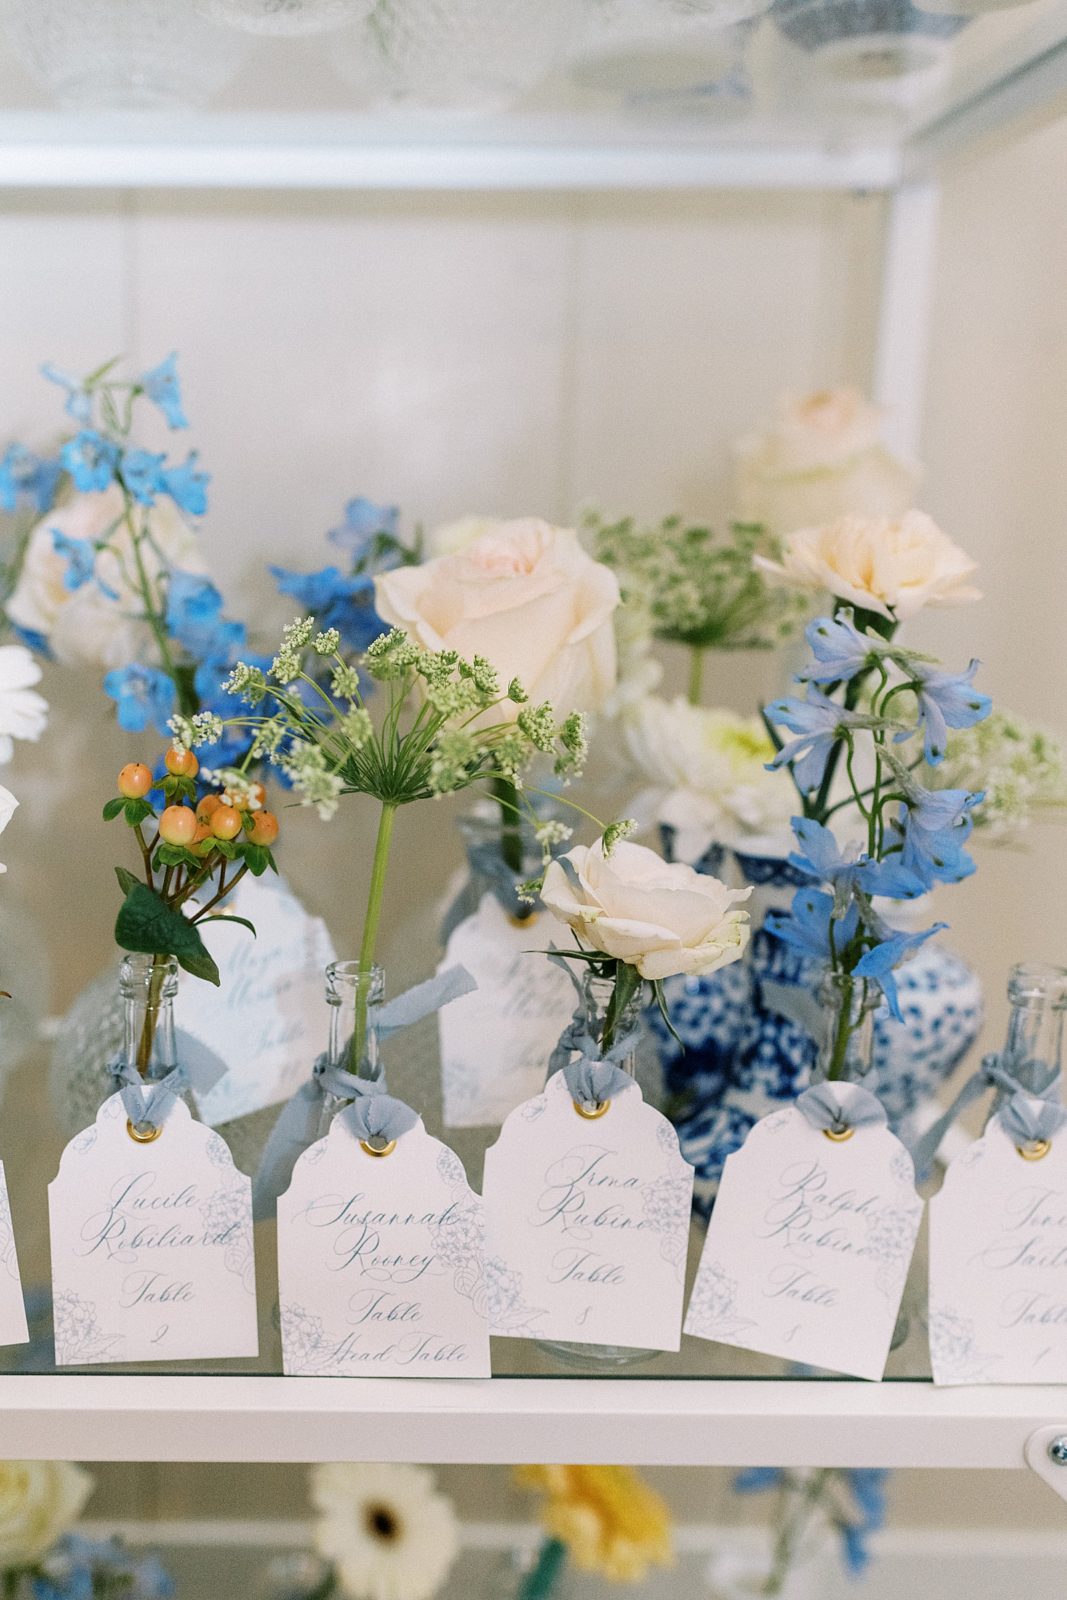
[(588, 1222), (496, 1040), (13, 1329), (809, 1243), (381, 1261), (998, 1264), (152, 1256), (264, 1022)]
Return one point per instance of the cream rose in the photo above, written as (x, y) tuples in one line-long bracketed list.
[(892, 566), (822, 457), (662, 919), (528, 598), (707, 774), (450, 537), (39, 1500), (85, 626)]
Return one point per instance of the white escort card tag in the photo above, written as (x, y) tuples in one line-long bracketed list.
[(265, 1021), (588, 1222), (810, 1240), (152, 1254), (998, 1261), (381, 1261), (496, 1040), (13, 1329)]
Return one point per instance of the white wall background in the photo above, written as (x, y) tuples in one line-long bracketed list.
[(519, 355)]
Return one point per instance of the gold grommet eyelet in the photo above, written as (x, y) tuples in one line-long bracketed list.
[(143, 1135), (525, 922), (591, 1113), (377, 1150), (838, 1135), (1036, 1151)]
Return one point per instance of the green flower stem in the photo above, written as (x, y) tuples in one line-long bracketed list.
[(844, 1030), (370, 932), (540, 1582), (506, 796), (696, 674), (792, 1531), (627, 982), (187, 702), (148, 1026)]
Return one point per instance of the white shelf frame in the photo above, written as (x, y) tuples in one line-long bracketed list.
[(644, 1422)]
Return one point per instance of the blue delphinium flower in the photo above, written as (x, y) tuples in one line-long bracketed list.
[(807, 924), (931, 833), (143, 696), (946, 700), (163, 389), (79, 402), (755, 1480), (335, 601), (187, 486), (817, 720), (25, 476), (90, 459), (77, 1566), (839, 648), (868, 1491), (194, 617), (142, 473), (879, 962), (824, 860), (80, 556), (361, 532)]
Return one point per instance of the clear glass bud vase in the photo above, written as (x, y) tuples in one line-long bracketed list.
[(353, 995), (608, 1022), (848, 1005), (147, 989), (1033, 1048)]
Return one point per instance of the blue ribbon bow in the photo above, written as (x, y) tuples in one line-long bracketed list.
[(148, 1101), (1013, 1100), (373, 1114), (597, 1074), (833, 1107)]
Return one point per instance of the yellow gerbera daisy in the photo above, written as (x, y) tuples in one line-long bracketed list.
[(610, 1520)]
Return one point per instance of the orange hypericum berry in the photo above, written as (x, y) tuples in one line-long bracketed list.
[(182, 766), (203, 831), (135, 780), (225, 822), (177, 825), (207, 807), (264, 828)]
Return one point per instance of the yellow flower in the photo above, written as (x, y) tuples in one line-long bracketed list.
[(610, 1520)]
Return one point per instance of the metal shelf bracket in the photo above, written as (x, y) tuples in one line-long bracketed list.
[(1046, 1454)]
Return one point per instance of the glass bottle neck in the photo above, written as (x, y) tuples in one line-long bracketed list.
[(353, 996), (148, 985), (1034, 1044), (845, 1050), (609, 1019)]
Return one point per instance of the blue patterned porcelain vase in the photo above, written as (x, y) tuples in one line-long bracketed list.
[(748, 1032)]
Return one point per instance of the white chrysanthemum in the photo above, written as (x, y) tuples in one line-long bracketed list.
[(707, 774), (8, 805), (23, 712), (388, 1530), (39, 1500)]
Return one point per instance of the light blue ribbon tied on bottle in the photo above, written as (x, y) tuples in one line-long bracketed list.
[(374, 1115), (487, 864), (837, 1107), (1029, 1112), (597, 1074), (148, 1101)]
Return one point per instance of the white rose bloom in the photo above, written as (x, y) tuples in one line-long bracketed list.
[(23, 712), (707, 774), (822, 457), (892, 566), (660, 918), (449, 537), (528, 598), (388, 1530), (39, 1500), (84, 626)]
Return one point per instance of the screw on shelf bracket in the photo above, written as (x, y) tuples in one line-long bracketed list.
[(1046, 1454)]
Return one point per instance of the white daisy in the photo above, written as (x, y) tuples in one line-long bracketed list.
[(7, 811), (389, 1532), (23, 712)]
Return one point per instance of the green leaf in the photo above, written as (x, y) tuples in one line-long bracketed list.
[(257, 859), (227, 848), (127, 880), (228, 916), (146, 924), (173, 855), (136, 811), (113, 807)]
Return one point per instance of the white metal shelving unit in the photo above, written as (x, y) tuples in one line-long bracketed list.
[(640, 1419)]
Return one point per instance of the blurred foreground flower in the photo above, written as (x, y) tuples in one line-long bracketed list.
[(606, 1519)]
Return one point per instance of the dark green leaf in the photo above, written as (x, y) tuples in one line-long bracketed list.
[(228, 916), (113, 807), (257, 859), (146, 924), (136, 811), (227, 848), (173, 855), (127, 880)]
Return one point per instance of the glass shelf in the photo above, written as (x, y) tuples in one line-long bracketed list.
[(289, 121)]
